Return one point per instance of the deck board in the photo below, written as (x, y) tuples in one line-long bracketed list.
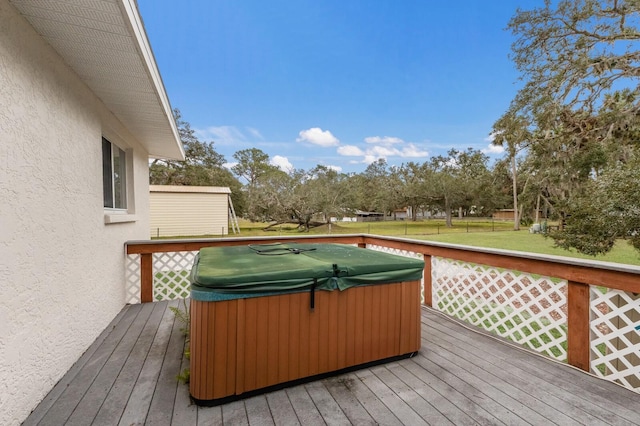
[(492, 392), (109, 402), (460, 376), (164, 396), (538, 393), (281, 409), (304, 407), (608, 402)]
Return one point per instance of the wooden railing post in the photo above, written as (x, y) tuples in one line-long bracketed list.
[(578, 340), (428, 286), (146, 277)]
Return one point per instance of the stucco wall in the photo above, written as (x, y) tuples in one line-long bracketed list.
[(61, 266)]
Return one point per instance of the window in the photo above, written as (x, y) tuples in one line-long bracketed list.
[(114, 176)]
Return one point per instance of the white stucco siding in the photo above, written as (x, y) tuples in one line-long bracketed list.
[(61, 266)]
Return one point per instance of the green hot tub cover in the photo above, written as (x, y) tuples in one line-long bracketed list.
[(233, 272)]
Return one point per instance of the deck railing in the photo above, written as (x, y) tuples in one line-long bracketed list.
[(584, 313)]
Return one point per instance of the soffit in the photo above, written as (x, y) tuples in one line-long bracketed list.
[(105, 43)]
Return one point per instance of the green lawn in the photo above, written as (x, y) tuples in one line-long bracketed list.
[(622, 252), (472, 232)]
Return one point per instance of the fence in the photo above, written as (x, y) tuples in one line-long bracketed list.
[(584, 313)]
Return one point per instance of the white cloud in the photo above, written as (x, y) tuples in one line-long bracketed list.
[(368, 159), (385, 140), (255, 133), (493, 149), (228, 166), (222, 135), (336, 168), (228, 135), (371, 154), (383, 151), (317, 136), (412, 151), (282, 163), (350, 151)]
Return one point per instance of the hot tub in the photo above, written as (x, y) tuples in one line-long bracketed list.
[(268, 316)]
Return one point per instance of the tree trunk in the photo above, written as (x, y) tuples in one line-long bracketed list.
[(447, 211), (516, 215)]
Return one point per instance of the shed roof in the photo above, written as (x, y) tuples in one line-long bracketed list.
[(105, 43), (196, 189)]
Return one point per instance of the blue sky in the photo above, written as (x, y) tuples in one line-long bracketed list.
[(337, 82)]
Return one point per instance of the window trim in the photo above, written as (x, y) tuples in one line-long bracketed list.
[(125, 213)]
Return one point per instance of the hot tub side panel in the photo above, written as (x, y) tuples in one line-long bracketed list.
[(278, 339), (213, 340)]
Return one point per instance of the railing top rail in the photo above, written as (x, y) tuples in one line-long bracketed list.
[(242, 239), (608, 274)]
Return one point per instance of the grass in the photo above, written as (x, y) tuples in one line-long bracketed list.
[(472, 232), (523, 241), (489, 316), (392, 228), (169, 279)]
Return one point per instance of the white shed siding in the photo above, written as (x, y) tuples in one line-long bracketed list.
[(186, 211), (61, 265)]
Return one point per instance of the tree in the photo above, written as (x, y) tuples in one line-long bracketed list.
[(305, 198), (203, 166), (201, 162), (328, 192), (511, 131), (575, 54), (371, 188), (253, 165), (458, 181), (580, 64), (606, 211), (412, 186)]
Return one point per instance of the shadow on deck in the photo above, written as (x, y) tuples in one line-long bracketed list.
[(128, 376)]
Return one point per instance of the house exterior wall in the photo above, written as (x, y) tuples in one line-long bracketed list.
[(188, 213), (61, 265)]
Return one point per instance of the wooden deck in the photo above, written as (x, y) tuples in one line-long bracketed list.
[(128, 376)]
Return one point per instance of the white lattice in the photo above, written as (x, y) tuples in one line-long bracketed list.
[(615, 336), (527, 309), (405, 253), (171, 274), (132, 278), (399, 252)]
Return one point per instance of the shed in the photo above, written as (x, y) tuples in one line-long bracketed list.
[(503, 214), (362, 216), (188, 210)]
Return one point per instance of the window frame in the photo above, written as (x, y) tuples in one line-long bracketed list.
[(117, 183)]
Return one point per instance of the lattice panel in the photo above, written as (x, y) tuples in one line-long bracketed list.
[(405, 253), (132, 278), (615, 336), (530, 310), (171, 274)]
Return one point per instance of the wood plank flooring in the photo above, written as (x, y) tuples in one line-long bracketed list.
[(460, 377)]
